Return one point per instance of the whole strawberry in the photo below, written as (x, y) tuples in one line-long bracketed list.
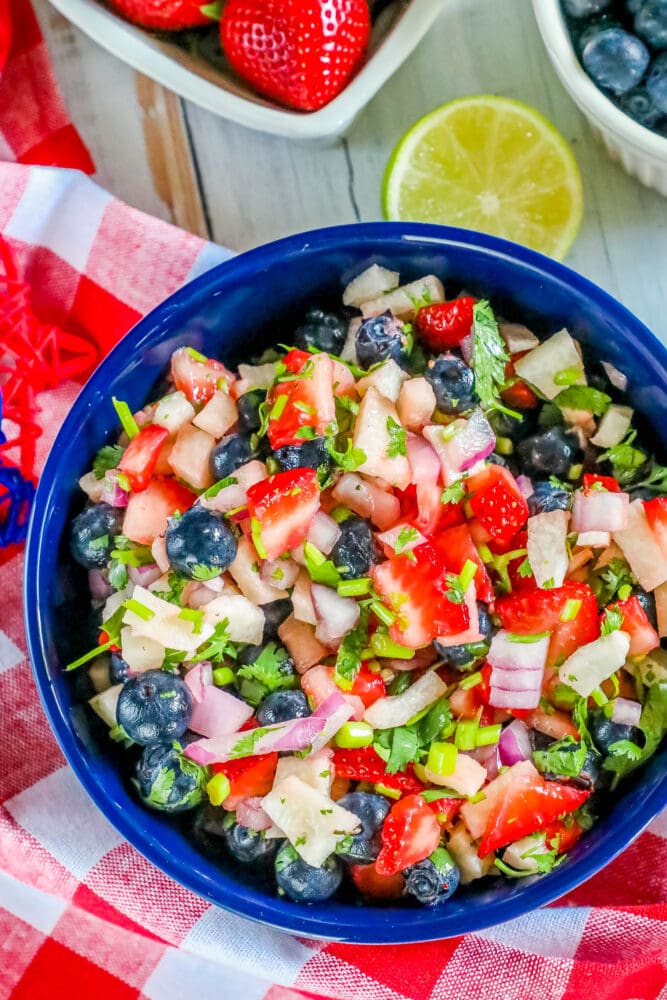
[(298, 52), (162, 15)]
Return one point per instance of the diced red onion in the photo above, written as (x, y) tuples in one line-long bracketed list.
[(143, 576), (250, 473), (99, 585), (500, 698), (525, 485), (323, 532), (218, 714), (294, 734), (197, 595), (474, 442), (159, 551), (600, 511), (279, 573), (198, 678), (113, 493), (466, 347), (512, 679), (300, 735), (626, 712), (249, 813), (429, 506), (424, 462), (367, 500), (514, 744), (336, 615), (335, 711), (517, 655), (617, 378)]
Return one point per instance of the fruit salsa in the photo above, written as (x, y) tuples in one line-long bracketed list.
[(384, 609)]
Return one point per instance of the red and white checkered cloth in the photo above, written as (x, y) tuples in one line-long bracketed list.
[(82, 914)]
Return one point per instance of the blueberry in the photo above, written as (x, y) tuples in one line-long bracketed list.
[(647, 601), (615, 60), (248, 846), (93, 532), (372, 811), (605, 732), (637, 104), (248, 405), (463, 657), (656, 82), (452, 382), (552, 452), (433, 880), (510, 427), (303, 883), (209, 827), (200, 544), (651, 23), (275, 614), (281, 706), (168, 781), (321, 330), (547, 497), (590, 30), (356, 550), (154, 707), (584, 8), (484, 621), (309, 455), (379, 338), (231, 452), (118, 669)]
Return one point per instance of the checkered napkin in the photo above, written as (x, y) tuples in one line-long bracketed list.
[(82, 914)]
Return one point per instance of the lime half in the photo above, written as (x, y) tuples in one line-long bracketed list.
[(490, 164)]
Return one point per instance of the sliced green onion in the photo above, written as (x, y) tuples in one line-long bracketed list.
[(487, 735), (341, 514), (354, 588), (90, 655), (126, 417), (218, 788), (353, 735), (465, 736), (448, 730), (624, 592), (513, 637), (599, 697), (386, 616), (223, 676), (278, 407), (486, 553), (420, 773), (504, 446), (313, 554), (196, 616), (442, 758), (467, 574), (575, 471), (382, 645), (571, 610), (471, 681), (391, 793), (256, 532), (197, 355), (139, 609), (567, 376)]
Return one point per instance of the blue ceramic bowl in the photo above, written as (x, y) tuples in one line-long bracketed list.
[(228, 312)]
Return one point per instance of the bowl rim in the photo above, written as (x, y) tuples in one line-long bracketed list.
[(136, 47), (244, 900), (585, 93)]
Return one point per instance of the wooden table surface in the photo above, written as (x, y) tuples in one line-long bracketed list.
[(241, 188)]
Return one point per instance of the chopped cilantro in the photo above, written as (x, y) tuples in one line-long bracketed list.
[(625, 459), (455, 592), (305, 434), (176, 584), (397, 439), (454, 493), (624, 755), (321, 569), (584, 397), (565, 757), (348, 657), (525, 569), (213, 491), (607, 581), (405, 537), (348, 460), (108, 457), (217, 647), (271, 671), (611, 622), (246, 745), (489, 357), (202, 573)]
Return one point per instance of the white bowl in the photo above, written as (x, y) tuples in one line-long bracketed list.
[(396, 32), (641, 152)]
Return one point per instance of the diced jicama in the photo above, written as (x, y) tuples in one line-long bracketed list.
[(439, 438), (430, 508), (638, 544), (464, 852), (387, 379), (139, 652), (466, 779), (416, 403), (246, 571), (218, 416), (250, 473), (300, 642), (312, 822), (599, 511), (547, 550), (464, 443), (541, 365), (380, 435), (104, 704), (521, 854), (323, 533), (302, 599), (190, 456), (92, 486), (613, 426), (315, 770), (367, 500), (478, 816), (592, 539), (626, 712), (660, 594), (517, 337), (164, 625), (245, 620), (371, 283), (406, 301), (582, 422), (397, 709), (249, 813), (280, 573), (254, 377), (228, 498), (336, 615), (593, 663), (173, 411)]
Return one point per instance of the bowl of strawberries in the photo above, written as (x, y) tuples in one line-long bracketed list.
[(302, 69)]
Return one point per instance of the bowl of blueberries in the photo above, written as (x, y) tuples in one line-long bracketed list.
[(611, 57)]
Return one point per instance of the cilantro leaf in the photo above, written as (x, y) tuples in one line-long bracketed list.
[(217, 647), (624, 755), (272, 671), (454, 592), (246, 745), (610, 579), (348, 460), (348, 657), (108, 457), (565, 757), (202, 573), (584, 397), (611, 622), (489, 357), (454, 493), (525, 569), (176, 584), (404, 749), (405, 537), (397, 439), (625, 459)]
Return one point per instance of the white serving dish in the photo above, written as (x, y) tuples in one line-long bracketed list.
[(396, 32), (641, 152)]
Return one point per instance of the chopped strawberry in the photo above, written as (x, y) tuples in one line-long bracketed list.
[(318, 683), (282, 508), (366, 765), (446, 809), (517, 394), (303, 406), (295, 359), (169, 15), (533, 611), (656, 515), (409, 834), (415, 589), (567, 834), (371, 884), (198, 379), (147, 512), (608, 482), (455, 546), (248, 777), (497, 502), (445, 324), (368, 686), (141, 455), (643, 637), (299, 52)]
